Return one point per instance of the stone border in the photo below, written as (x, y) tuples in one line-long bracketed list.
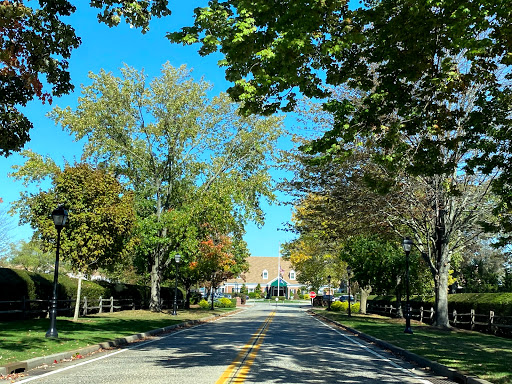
[(421, 361), (23, 366)]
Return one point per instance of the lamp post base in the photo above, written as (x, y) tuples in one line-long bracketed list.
[(408, 330), (52, 333)]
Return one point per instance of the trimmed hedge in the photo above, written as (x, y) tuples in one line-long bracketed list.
[(500, 303), (19, 284)]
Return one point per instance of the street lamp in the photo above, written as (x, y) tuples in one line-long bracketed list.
[(59, 216), (349, 273), (177, 258), (407, 245), (329, 283)]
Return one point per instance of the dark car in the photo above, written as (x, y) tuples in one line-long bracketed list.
[(345, 298)]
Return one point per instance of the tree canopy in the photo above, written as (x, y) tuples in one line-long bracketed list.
[(192, 161), (37, 43)]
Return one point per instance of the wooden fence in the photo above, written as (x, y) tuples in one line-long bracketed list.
[(40, 308), (488, 323)]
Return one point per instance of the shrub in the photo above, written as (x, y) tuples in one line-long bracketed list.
[(224, 302), (306, 296), (204, 304), (338, 306), (281, 298)]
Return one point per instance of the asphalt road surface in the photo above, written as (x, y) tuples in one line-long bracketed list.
[(263, 344)]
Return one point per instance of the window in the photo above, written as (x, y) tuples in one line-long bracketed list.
[(265, 274), (292, 275)]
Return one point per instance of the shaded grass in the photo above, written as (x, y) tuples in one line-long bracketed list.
[(475, 354), (22, 340)]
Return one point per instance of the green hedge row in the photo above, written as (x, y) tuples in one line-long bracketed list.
[(19, 284), (500, 303)]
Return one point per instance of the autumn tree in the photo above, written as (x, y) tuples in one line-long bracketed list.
[(173, 145), (6, 227)]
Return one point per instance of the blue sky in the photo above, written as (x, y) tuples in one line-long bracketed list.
[(110, 49)]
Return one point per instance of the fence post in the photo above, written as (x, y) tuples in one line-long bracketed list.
[(431, 314), (84, 313), (24, 308), (101, 305), (454, 318), (472, 319), (491, 322), (133, 303), (111, 304), (421, 314)]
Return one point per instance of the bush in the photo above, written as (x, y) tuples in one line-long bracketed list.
[(500, 303), (281, 298), (306, 296), (224, 302), (339, 306), (204, 304)]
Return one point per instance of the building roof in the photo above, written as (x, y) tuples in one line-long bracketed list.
[(259, 264)]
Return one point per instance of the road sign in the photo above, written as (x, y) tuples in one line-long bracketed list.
[(312, 294)]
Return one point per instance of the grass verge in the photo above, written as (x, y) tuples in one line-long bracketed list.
[(22, 340), (485, 356)]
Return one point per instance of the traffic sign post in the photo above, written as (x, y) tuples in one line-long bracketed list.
[(312, 295)]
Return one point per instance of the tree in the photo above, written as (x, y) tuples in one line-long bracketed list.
[(30, 256), (101, 216), (36, 42), (5, 231), (435, 98), (173, 146)]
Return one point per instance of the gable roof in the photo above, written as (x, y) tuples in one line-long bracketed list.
[(259, 264)]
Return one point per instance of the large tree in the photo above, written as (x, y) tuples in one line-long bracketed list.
[(174, 147), (433, 80), (37, 42)]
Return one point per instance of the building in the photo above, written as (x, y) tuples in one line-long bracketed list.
[(264, 271)]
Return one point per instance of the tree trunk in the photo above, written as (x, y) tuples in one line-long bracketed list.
[(365, 292), (156, 280), (442, 295), (78, 293)]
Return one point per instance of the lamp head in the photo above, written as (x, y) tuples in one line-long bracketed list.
[(60, 217), (407, 244), (177, 257)]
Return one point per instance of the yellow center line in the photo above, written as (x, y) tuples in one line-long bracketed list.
[(239, 368)]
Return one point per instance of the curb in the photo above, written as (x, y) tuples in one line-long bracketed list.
[(22, 366), (421, 361)]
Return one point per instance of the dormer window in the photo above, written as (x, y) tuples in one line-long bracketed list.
[(265, 274), (292, 275)]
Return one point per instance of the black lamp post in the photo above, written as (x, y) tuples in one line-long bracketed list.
[(407, 245), (177, 258), (330, 297), (59, 216), (349, 273)]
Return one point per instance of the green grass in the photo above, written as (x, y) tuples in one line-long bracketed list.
[(476, 354), (22, 340)]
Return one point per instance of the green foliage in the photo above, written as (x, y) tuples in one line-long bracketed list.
[(339, 306), (31, 256), (305, 296), (254, 295), (224, 302), (281, 298), (204, 304), (101, 215), (199, 169), (500, 303), (37, 42)]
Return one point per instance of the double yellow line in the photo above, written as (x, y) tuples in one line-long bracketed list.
[(239, 368)]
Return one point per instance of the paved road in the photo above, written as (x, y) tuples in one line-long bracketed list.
[(264, 344)]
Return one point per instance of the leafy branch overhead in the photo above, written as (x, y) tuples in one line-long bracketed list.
[(37, 43)]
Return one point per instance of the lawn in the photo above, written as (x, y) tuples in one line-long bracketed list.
[(22, 340), (486, 356)]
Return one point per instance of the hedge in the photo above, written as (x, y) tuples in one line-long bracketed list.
[(500, 303), (18, 284)]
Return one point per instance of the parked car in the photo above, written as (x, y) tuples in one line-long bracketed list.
[(345, 298)]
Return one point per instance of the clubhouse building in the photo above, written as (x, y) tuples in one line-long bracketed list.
[(265, 272)]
